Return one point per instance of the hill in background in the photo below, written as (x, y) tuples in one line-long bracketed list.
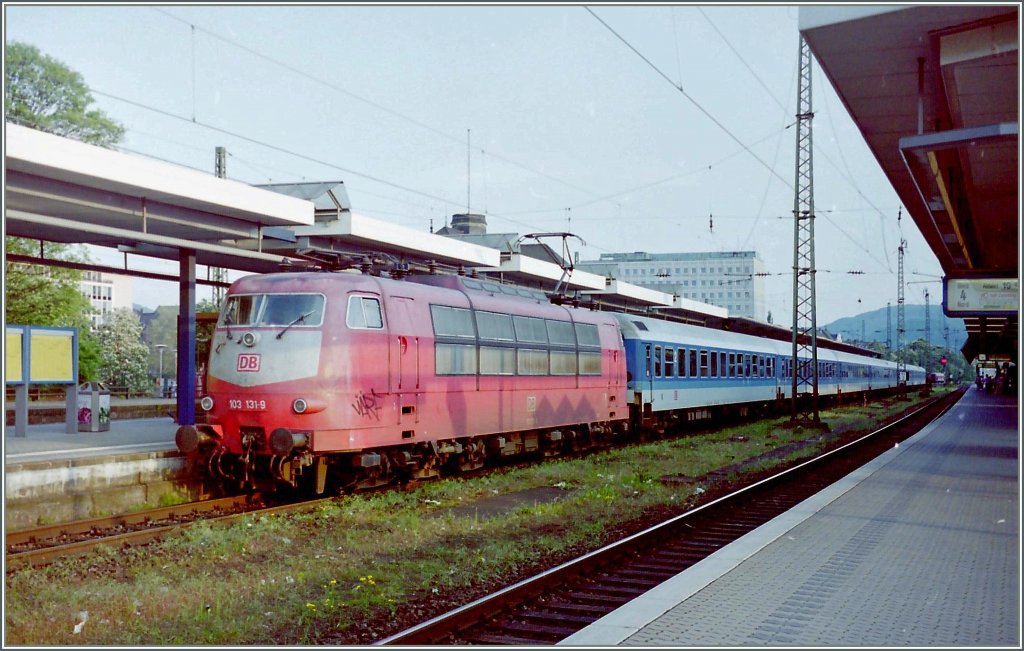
[(871, 326)]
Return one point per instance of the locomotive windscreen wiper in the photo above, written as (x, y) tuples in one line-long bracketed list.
[(301, 317)]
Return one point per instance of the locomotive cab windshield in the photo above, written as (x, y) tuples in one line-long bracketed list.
[(284, 310)]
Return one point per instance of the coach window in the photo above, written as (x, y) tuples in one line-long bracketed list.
[(723, 370), (755, 365), (693, 363), (732, 364), (657, 361), (703, 363), (670, 362), (647, 359), (714, 364), (746, 365), (364, 313), (771, 367)]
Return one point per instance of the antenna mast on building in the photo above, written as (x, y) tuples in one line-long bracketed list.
[(804, 367), (219, 274)]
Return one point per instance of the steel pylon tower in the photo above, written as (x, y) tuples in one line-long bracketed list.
[(804, 363), (219, 274), (901, 324), (888, 327)]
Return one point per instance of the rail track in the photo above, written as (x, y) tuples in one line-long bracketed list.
[(551, 606), (43, 545)]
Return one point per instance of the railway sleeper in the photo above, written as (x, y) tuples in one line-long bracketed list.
[(505, 640), (570, 607), (649, 570), (557, 632), (585, 597), (557, 617), (604, 588), (618, 580)]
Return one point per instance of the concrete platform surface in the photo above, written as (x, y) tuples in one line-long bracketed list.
[(919, 547), (51, 441)]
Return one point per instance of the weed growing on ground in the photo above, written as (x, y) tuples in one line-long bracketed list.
[(324, 574)]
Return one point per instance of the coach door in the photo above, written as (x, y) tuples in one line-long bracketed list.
[(405, 358)]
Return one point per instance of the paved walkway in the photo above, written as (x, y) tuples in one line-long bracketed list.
[(920, 547)]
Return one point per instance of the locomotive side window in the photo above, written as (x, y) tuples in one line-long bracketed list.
[(364, 313), (530, 330), (587, 335), (590, 363), (497, 361), (563, 362), (561, 333), (532, 362), (454, 359), (495, 326), (452, 322)]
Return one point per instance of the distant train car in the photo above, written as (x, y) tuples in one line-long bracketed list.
[(686, 372), (366, 379)]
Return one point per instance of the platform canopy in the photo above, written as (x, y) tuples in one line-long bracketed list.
[(62, 190), (935, 91)]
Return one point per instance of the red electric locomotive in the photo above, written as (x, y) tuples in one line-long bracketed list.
[(362, 380)]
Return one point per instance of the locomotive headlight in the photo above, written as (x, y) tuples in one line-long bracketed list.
[(206, 403), (250, 338), (308, 405)]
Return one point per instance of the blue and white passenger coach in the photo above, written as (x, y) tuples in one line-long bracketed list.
[(678, 370)]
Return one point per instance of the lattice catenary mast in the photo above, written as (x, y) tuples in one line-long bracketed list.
[(804, 363), (219, 274)]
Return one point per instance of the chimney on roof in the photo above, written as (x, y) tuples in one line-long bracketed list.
[(469, 224)]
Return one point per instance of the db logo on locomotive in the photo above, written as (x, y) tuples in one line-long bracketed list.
[(248, 362)]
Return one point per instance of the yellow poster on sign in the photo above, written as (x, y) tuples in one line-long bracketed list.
[(52, 356), (12, 356)]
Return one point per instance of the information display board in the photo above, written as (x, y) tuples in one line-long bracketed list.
[(980, 296)]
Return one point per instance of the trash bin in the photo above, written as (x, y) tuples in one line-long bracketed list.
[(93, 407)]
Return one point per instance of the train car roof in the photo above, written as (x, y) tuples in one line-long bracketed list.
[(639, 327)]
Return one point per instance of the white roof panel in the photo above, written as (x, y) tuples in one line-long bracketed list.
[(46, 155)]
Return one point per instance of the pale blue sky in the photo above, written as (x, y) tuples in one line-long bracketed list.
[(569, 128)]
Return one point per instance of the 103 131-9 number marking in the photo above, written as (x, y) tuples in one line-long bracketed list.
[(253, 405)]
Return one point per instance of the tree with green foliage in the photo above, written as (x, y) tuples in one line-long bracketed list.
[(43, 93), (123, 354)]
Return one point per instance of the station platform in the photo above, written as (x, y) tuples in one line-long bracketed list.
[(140, 424), (919, 547)]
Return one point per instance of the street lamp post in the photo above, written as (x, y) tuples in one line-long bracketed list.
[(160, 375)]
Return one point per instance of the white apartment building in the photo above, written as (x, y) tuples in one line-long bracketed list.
[(106, 292), (732, 279)]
